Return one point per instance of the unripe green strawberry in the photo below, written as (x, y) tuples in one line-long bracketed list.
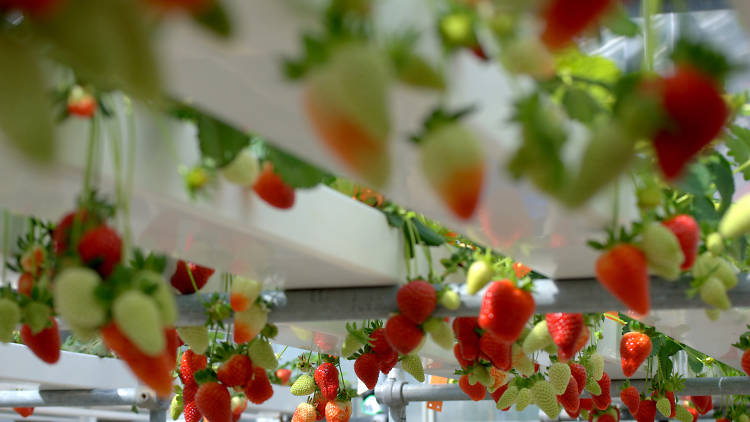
[(597, 366), (351, 345), (243, 169), (248, 323), (736, 220), (712, 314), (304, 386), (440, 332), (662, 250), (559, 376), (708, 265), (715, 243), (262, 355), (480, 273), (175, 407), (592, 386), (36, 315), (743, 418), (450, 300), (538, 338), (714, 293), (543, 394), (162, 294), (523, 399), (482, 375), (508, 397), (75, 297), (682, 414), (195, 336), (520, 361), (243, 293), (413, 365), (346, 100), (663, 406), (10, 316), (138, 318)]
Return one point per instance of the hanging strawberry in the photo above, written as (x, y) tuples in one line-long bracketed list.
[(623, 271), (686, 229), (566, 19), (271, 188), (505, 309), (565, 329), (635, 347), (81, 103)]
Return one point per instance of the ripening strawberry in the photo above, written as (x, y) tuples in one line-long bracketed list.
[(338, 411), (235, 371), (75, 297), (305, 412), (189, 277), (33, 260), (403, 335), (366, 368), (10, 316), (697, 112), (283, 374), (686, 229), (497, 351), (631, 398), (475, 391), (101, 249), (635, 347), (346, 102), (81, 103), (272, 189), (45, 344), (623, 271), (453, 164), (566, 19), (416, 300), (239, 404), (505, 309), (154, 371), (137, 316), (248, 323), (259, 388), (663, 251), (243, 293), (327, 379), (565, 328)]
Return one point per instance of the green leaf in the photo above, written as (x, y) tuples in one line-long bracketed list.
[(219, 141), (25, 111), (580, 105), (703, 56), (294, 172), (695, 365), (737, 140), (105, 42), (427, 235), (620, 23), (216, 20), (723, 179), (697, 180)]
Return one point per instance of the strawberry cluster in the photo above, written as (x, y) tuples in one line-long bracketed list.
[(328, 396)]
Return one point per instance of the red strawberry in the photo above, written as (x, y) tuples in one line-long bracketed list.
[(463, 362), (498, 351), (271, 188), (565, 330), (505, 310), (367, 370), (353, 123), (693, 412), (581, 341), (189, 391), (45, 344), (25, 284), (379, 343), (578, 372), (234, 372), (476, 391), (634, 349), (327, 379), (173, 343), (63, 230), (646, 411), (403, 335), (83, 106), (24, 411), (703, 404), (697, 112), (190, 363), (101, 249), (631, 398), (387, 362), (320, 406), (416, 300), (464, 329), (283, 374), (154, 371), (586, 403), (181, 278), (214, 402), (686, 229), (566, 19), (453, 163), (623, 271), (603, 400), (746, 361), (605, 417), (192, 414), (259, 388), (499, 392), (570, 399)]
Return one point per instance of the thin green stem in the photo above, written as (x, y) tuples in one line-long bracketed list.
[(6, 243), (89, 156)]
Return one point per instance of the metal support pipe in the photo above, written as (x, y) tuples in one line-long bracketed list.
[(79, 398), (357, 303), (399, 394)]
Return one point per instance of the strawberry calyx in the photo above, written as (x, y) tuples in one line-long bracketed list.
[(439, 116), (205, 376), (704, 58)]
